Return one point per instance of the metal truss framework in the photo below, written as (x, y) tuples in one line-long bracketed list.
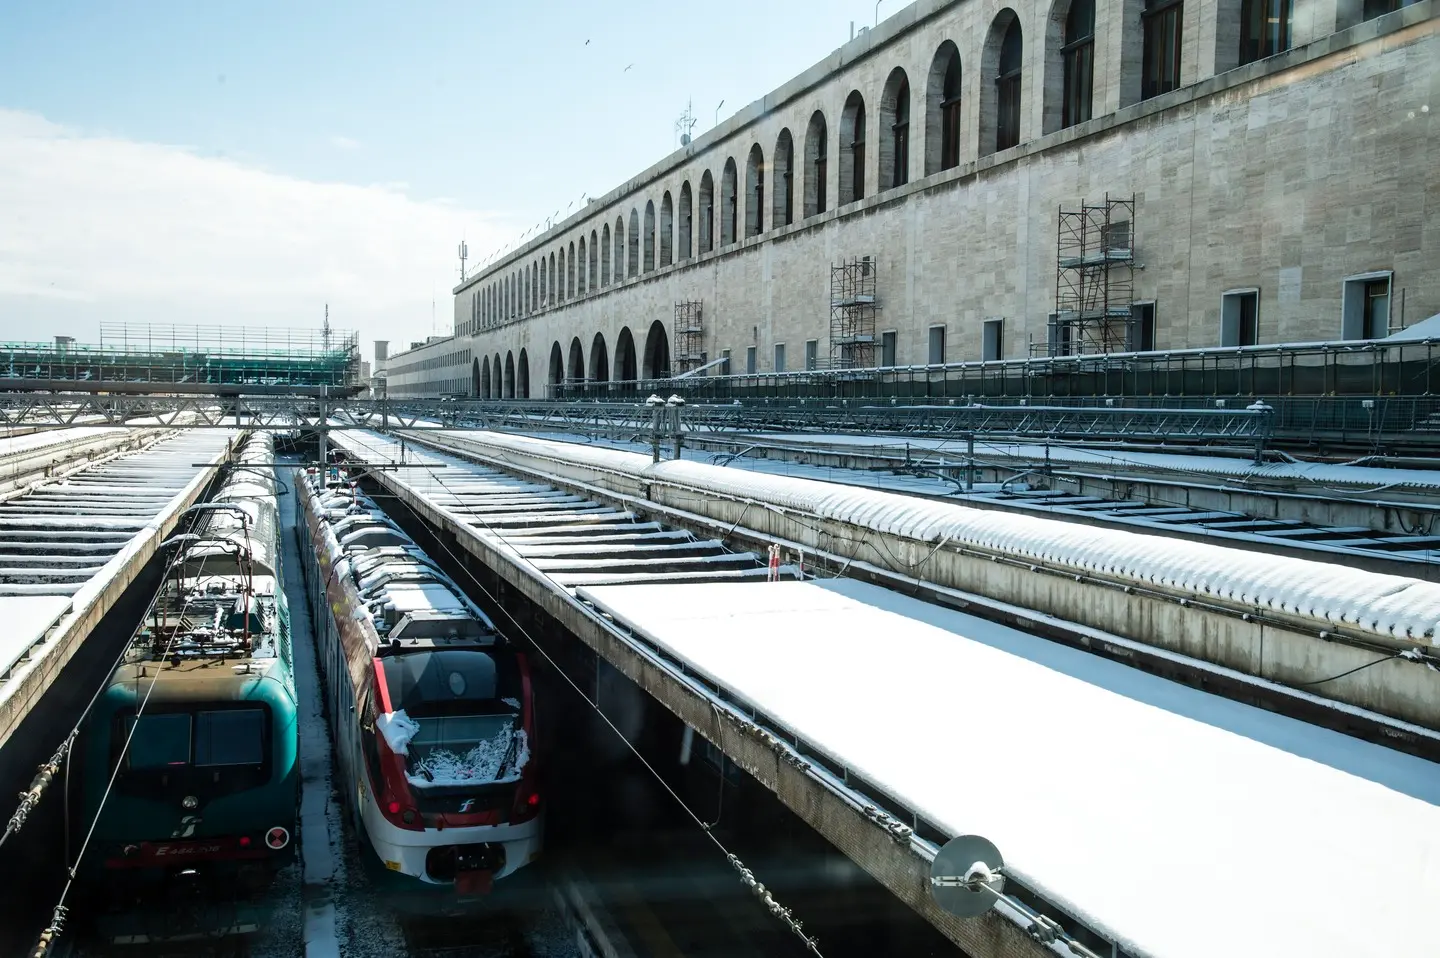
[(1412, 425)]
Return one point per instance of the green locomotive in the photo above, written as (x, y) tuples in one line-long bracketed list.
[(189, 754)]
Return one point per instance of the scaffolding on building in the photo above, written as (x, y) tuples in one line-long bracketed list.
[(689, 337), (853, 306), (1094, 280)]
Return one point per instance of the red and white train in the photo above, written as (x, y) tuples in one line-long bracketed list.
[(431, 708)]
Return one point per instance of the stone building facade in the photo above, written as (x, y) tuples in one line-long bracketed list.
[(1276, 159)]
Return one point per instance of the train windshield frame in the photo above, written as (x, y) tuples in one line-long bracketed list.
[(468, 706), (228, 747)]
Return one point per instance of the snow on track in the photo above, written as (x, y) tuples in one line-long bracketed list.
[(1388, 605)]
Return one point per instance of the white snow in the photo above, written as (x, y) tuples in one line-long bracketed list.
[(1328, 593), (482, 763), (398, 729), (1073, 763), (27, 618)]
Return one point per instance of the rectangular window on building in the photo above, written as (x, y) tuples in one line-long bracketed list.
[(724, 362), (779, 357), (1160, 64), (750, 359), (937, 345), (812, 353), (1366, 307), (992, 340), (887, 348), (1240, 317), (1141, 337)]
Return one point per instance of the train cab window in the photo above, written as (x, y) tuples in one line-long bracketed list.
[(230, 737), (159, 741), (467, 704)]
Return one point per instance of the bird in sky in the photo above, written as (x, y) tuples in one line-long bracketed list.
[(587, 43), (627, 69)]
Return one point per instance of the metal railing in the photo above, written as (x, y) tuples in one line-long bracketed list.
[(1374, 368)]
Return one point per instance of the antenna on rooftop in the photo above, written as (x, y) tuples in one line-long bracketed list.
[(464, 251), (325, 330), (685, 124)]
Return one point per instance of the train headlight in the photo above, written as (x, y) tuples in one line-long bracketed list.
[(189, 802)]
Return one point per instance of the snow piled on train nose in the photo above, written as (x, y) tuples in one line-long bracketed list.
[(398, 729), (489, 762)]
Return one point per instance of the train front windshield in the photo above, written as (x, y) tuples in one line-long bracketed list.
[(467, 705)]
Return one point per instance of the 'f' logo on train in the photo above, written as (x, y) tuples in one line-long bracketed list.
[(466, 805)]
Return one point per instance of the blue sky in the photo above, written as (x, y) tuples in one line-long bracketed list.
[(487, 116)]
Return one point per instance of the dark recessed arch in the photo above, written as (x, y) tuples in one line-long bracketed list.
[(509, 375), (707, 212), (576, 368), (782, 181), (599, 359), (522, 376), (632, 249), (557, 364), (667, 229), (475, 379), (942, 110), (605, 255), (626, 369), (1002, 92), (485, 379), (657, 352)]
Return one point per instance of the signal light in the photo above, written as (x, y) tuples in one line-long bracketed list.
[(533, 800), (394, 808), (244, 841)]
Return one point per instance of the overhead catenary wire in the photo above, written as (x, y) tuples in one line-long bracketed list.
[(747, 877)]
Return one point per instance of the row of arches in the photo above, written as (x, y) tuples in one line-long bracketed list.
[(492, 379), (919, 125), (569, 365)]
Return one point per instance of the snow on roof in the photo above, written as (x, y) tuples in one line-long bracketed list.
[(1388, 605), (1180, 823)]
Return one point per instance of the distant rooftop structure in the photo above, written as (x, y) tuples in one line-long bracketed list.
[(134, 357)]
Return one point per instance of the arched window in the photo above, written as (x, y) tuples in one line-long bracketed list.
[(1008, 85), (570, 274), (554, 280), (895, 131), (1160, 66), (817, 164), (620, 249), (605, 248), (485, 379), (594, 259), (647, 262), (1077, 54), (686, 222), (560, 292), (509, 375), (667, 229), (1264, 28), (534, 287), (1000, 87), (729, 207), (580, 266), (852, 149), (707, 213), (755, 192), (782, 165), (522, 376), (632, 249)]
